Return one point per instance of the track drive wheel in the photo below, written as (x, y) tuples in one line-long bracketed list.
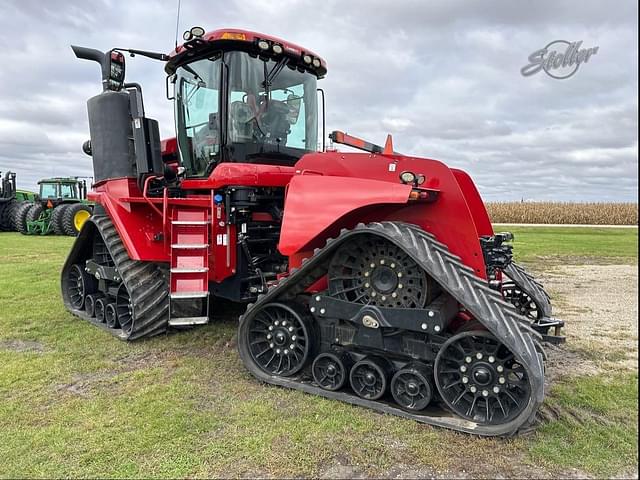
[(279, 339), (74, 217), (411, 387), (479, 379), (56, 219), (331, 370), (371, 270)]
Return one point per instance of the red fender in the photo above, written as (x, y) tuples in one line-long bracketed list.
[(318, 206), (474, 201)]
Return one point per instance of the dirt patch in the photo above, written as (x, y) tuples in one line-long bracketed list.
[(22, 346), (83, 385), (600, 306)]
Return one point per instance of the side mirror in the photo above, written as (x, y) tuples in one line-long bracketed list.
[(115, 68), (294, 103), (111, 65)]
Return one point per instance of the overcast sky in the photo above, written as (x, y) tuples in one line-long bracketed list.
[(442, 76)]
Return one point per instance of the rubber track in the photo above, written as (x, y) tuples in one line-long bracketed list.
[(146, 282), (474, 293), (530, 286)]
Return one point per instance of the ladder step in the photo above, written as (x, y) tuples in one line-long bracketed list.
[(190, 222), (189, 246), (189, 270), (185, 295), (184, 321)]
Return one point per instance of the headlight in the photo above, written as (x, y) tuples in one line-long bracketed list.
[(277, 49), (407, 177), (263, 45), (316, 62), (307, 59)]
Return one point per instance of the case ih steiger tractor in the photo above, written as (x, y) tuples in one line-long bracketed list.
[(374, 278)]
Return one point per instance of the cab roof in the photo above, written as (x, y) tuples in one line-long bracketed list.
[(229, 39)]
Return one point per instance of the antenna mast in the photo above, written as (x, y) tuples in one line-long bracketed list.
[(178, 22)]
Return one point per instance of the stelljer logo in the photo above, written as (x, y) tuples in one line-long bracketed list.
[(558, 63)]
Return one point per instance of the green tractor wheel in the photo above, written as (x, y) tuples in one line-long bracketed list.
[(57, 217), (74, 217), (19, 218)]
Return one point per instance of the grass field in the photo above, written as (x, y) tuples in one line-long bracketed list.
[(76, 402)]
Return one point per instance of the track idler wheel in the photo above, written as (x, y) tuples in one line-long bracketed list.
[(124, 309), (279, 339), (411, 387), (369, 376), (521, 300), (79, 285), (479, 379), (331, 370)]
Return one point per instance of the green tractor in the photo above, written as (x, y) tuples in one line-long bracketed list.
[(10, 200), (61, 208)]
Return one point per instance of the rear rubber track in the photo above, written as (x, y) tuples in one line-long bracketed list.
[(146, 283), (460, 281)]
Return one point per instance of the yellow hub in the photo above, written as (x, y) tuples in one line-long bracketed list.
[(79, 218)]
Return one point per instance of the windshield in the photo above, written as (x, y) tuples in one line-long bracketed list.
[(48, 190), (197, 104), (270, 113), (58, 190)]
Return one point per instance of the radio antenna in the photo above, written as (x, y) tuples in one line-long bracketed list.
[(178, 22)]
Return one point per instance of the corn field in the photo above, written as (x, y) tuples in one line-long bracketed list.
[(596, 213)]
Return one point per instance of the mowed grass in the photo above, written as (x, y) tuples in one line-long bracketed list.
[(74, 401), (574, 244)]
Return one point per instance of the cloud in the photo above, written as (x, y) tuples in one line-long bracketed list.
[(443, 77)]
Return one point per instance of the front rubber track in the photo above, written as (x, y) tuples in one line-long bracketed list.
[(531, 287), (146, 282), (459, 280)]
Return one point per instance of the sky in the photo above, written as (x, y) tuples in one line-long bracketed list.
[(442, 76)]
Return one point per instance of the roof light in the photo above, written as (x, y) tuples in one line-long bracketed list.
[(263, 45), (277, 49), (316, 62), (187, 35), (233, 36), (197, 31), (307, 59)]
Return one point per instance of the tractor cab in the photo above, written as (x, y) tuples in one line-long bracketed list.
[(62, 190), (243, 97)]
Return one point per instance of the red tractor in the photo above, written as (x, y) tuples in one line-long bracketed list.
[(374, 278)]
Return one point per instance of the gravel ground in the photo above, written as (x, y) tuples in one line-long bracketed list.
[(600, 306)]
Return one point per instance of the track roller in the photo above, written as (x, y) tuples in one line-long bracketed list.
[(331, 370), (369, 376), (411, 387), (100, 307), (90, 303), (110, 315)]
